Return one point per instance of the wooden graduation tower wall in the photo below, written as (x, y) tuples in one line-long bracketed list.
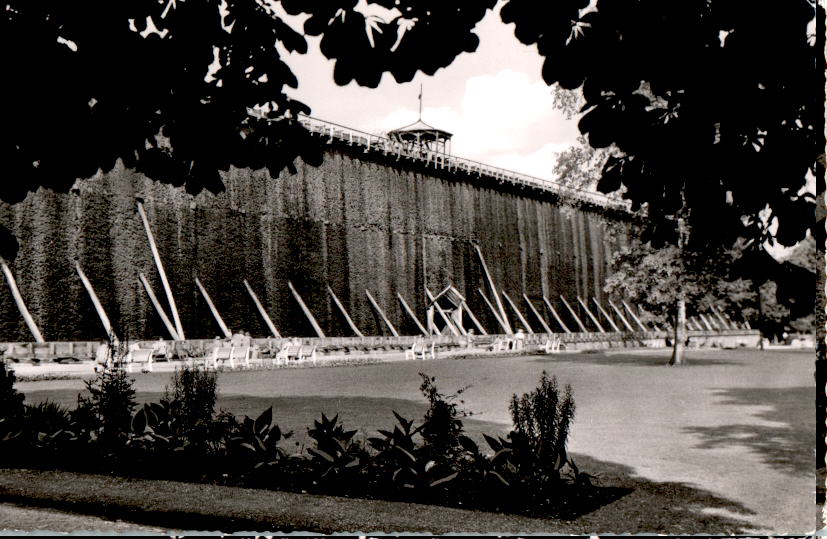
[(371, 217)]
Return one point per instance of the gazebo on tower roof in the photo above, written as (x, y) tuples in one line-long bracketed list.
[(421, 136)]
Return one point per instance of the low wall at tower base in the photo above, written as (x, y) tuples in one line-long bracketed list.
[(375, 347)]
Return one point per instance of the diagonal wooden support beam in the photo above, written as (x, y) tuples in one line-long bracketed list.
[(341, 307), (705, 322), (449, 323), (732, 323), (306, 311), (537, 314), (411, 314), (556, 316), (158, 308), (503, 316), (574, 314), (381, 314), (474, 320), (261, 311), (634, 316), (720, 318), (593, 318), (156, 255), (523, 321), (224, 329), (107, 325), (620, 315), (21, 305), (494, 312), (606, 315)]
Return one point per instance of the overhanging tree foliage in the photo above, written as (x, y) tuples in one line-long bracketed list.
[(168, 86), (714, 109)]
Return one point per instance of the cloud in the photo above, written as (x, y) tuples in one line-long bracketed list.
[(539, 163), (504, 119)]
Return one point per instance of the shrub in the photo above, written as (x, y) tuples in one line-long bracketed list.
[(542, 419), (107, 410), (442, 427), (11, 401), (192, 399)]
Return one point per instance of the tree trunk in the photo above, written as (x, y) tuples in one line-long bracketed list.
[(759, 322), (679, 342), (821, 324)]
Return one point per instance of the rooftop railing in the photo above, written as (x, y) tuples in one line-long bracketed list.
[(335, 132)]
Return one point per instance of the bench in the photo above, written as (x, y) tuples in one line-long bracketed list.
[(298, 352), (230, 354), (140, 356), (552, 346), (497, 345), (420, 349)]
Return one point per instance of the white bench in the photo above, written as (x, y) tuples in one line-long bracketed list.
[(552, 346), (420, 349), (296, 351), (229, 354), (140, 355)]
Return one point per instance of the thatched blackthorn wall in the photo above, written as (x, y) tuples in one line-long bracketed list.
[(355, 222)]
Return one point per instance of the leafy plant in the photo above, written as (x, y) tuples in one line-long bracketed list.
[(442, 427), (257, 442), (334, 453), (403, 463), (542, 419)]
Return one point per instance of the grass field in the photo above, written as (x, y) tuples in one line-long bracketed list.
[(723, 445)]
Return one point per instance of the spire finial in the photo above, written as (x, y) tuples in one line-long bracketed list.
[(420, 101)]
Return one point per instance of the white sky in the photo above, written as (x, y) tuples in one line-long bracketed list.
[(494, 101)]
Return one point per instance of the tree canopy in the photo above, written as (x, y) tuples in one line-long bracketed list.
[(713, 106), (167, 86)]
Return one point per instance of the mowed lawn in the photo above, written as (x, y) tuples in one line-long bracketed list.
[(725, 442)]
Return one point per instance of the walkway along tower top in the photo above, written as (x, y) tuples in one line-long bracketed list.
[(422, 137)]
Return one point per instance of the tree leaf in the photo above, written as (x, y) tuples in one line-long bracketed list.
[(264, 421), (322, 454), (444, 479)]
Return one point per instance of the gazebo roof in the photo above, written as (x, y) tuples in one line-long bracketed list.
[(419, 130)]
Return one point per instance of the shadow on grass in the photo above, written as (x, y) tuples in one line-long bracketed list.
[(648, 359), (659, 507), (787, 446)]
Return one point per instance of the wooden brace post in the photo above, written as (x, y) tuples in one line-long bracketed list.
[(556, 316), (411, 314), (344, 312), (158, 308), (574, 314), (381, 314), (523, 321), (537, 314), (224, 329), (107, 325), (306, 311), (21, 305), (156, 255), (261, 310)]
